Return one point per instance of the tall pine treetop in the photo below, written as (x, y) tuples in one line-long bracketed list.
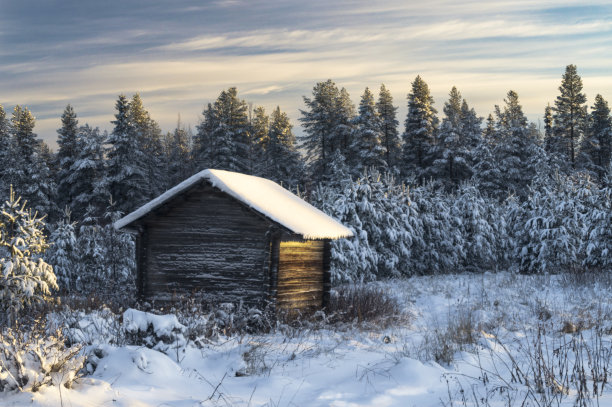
[(570, 113)]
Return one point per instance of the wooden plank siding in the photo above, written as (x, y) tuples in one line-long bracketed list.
[(300, 274), (204, 240), (207, 241)]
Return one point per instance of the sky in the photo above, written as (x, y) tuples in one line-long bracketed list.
[(179, 55)]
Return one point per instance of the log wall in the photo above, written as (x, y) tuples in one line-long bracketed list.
[(301, 274), (206, 241)]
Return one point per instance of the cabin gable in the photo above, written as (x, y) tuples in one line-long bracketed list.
[(205, 241)]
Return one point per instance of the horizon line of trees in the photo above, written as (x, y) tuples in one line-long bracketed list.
[(96, 177)]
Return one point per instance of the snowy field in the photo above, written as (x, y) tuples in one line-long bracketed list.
[(477, 340)]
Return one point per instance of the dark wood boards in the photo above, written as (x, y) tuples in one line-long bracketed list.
[(300, 274), (205, 241)]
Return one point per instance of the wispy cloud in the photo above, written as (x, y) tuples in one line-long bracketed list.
[(274, 52)]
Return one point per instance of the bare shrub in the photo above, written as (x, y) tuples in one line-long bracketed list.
[(362, 303), (441, 343)]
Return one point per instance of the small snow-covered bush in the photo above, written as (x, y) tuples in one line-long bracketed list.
[(32, 359), (25, 278)]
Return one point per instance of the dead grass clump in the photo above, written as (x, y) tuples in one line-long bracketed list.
[(362, 303)]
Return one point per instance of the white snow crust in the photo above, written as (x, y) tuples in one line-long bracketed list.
[(264, 196)]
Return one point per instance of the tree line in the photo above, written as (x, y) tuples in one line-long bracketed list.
[(96, 177)]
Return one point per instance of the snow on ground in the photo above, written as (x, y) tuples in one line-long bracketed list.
[(498, 339)]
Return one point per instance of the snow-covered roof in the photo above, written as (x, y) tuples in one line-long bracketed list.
[(264, 196)]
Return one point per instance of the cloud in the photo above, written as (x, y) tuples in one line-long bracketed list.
[(181, 58)]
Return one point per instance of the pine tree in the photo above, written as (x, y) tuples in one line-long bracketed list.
[(421, 126), (597, 144), (365, 149), (223, 139), (232, 134), (283, 161), (570, 113), (148, 135), (66, 155), (62, 254), (205, 149), (548, 129), (26, 279), (458, 138), (326, 124), (88, 174), (388, 127), (29, 172), (119, 251), (6, 151), (127, 170), (178, 155), (258, 138), (344, 126), (597, 239), (515, 150)]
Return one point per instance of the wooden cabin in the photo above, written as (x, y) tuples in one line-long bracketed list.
[(233, 237)]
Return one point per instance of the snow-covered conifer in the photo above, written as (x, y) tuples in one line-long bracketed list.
[(127, 169), (421, 127), (67, 153), (89, 185), (26, 279), (365, 148), (596, 147), (570, 115), (62, 254), (388, 127)]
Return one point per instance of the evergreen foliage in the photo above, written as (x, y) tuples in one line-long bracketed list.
[(67, 154), (420, 134), (62, 254), (223, 137), (365, 148), (88, 173), (127, 168), (570, 115), (596, 146), (327, 127), (458, 139), (388, 126), (26, 279), (282, 161), (177, 154), (149, 140)]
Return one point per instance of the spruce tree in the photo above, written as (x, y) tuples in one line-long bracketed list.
[(344, 125), (515, 151), (177, 155), (29, 171), (205, 148), (548, 129), (570, 114), (232, 132), (421, 127), (597, 144), (450, 152), (388, 127), (88, 174), (127, 170), (6, 151), (67, 153), (148, 135), (283, 161), (366, 149), (320, 122)]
